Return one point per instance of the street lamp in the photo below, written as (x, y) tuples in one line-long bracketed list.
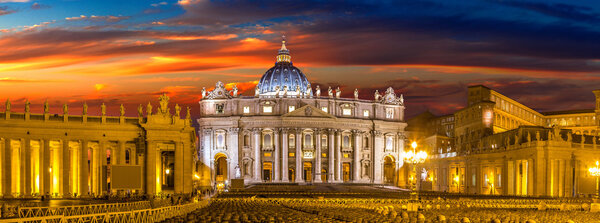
[(595, 171), (413, 157)]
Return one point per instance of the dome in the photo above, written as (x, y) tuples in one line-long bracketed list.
[(284, 75)]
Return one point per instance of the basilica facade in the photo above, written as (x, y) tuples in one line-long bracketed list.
[(289, 131)]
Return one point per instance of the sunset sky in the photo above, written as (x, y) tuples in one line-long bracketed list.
[(545, 54)]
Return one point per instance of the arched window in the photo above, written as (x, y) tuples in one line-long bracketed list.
[(346, 141), (126, 156), (307, 140), (267, 140), (292, 141), (220, 140), (389, 143)]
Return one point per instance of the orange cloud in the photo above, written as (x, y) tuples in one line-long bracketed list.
[(193, 37)]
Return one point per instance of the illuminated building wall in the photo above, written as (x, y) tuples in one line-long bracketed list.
[(71, 155)]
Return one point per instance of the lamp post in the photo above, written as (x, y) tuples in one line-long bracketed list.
[(595, 171), (413, 157)]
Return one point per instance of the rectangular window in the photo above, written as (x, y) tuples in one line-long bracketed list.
[(246, 109), (267, 154), (346, 111), (346, 155), (292, 154), (291, 108), (366, 113), (220, 108), (267, 109), (324, 109), (324, 155)]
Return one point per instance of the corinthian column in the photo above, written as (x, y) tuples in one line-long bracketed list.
[(331, 177), (318, 156), (357, 147), (277, 152), (299, 165), (285, 155), (257, 154), (338, 153)]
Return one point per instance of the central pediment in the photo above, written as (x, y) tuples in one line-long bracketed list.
[(309, 111)]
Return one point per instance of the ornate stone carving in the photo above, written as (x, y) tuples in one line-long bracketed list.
[(234, 130), (220, 92), (163, 101), (308, 111), (390, 98), (256, 130), (377, 133)]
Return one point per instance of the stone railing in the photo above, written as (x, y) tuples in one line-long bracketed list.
[(136, 216)]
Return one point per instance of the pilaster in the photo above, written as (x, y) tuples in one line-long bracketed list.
[(299, 164), (285, 155), (317, 155)]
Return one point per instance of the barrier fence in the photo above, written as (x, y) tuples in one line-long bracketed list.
[(30, 212), (135, 216)]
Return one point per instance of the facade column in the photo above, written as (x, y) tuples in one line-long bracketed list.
[(357, 155), (338, 160), (257, 154), (45, 174), (285, 155), (378, 149), (233, 142), (26, 163), (318, 156), (66, 169), (331, 141), (119, 155), (276, 171), (151, 177), (569, 178), (83, 169), (179, 168), (188, 167), (7, 175), (299, 164)]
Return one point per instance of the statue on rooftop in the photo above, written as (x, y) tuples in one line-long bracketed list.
[(355, 93), (27, 106), (318, 91), (122, 110), (377, 95), (103, 109), (330, 92), (203, 92), (85, 108), (46, 107), (65, 109), (149, 109), (177, 110), (140, 111), (338, 92)]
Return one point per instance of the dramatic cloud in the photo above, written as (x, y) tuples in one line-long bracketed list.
[(5, 11), (545, 54), (108, 18)]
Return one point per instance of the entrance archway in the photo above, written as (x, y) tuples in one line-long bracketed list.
[(292, 174), (220, 168), (267, 171), (388, 169), (346, 172), (307, 171)]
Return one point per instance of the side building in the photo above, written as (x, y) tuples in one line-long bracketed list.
[(289, 132), (65, 155), (500, 146)]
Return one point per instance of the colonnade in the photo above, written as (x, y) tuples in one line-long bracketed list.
[(59, 167)]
